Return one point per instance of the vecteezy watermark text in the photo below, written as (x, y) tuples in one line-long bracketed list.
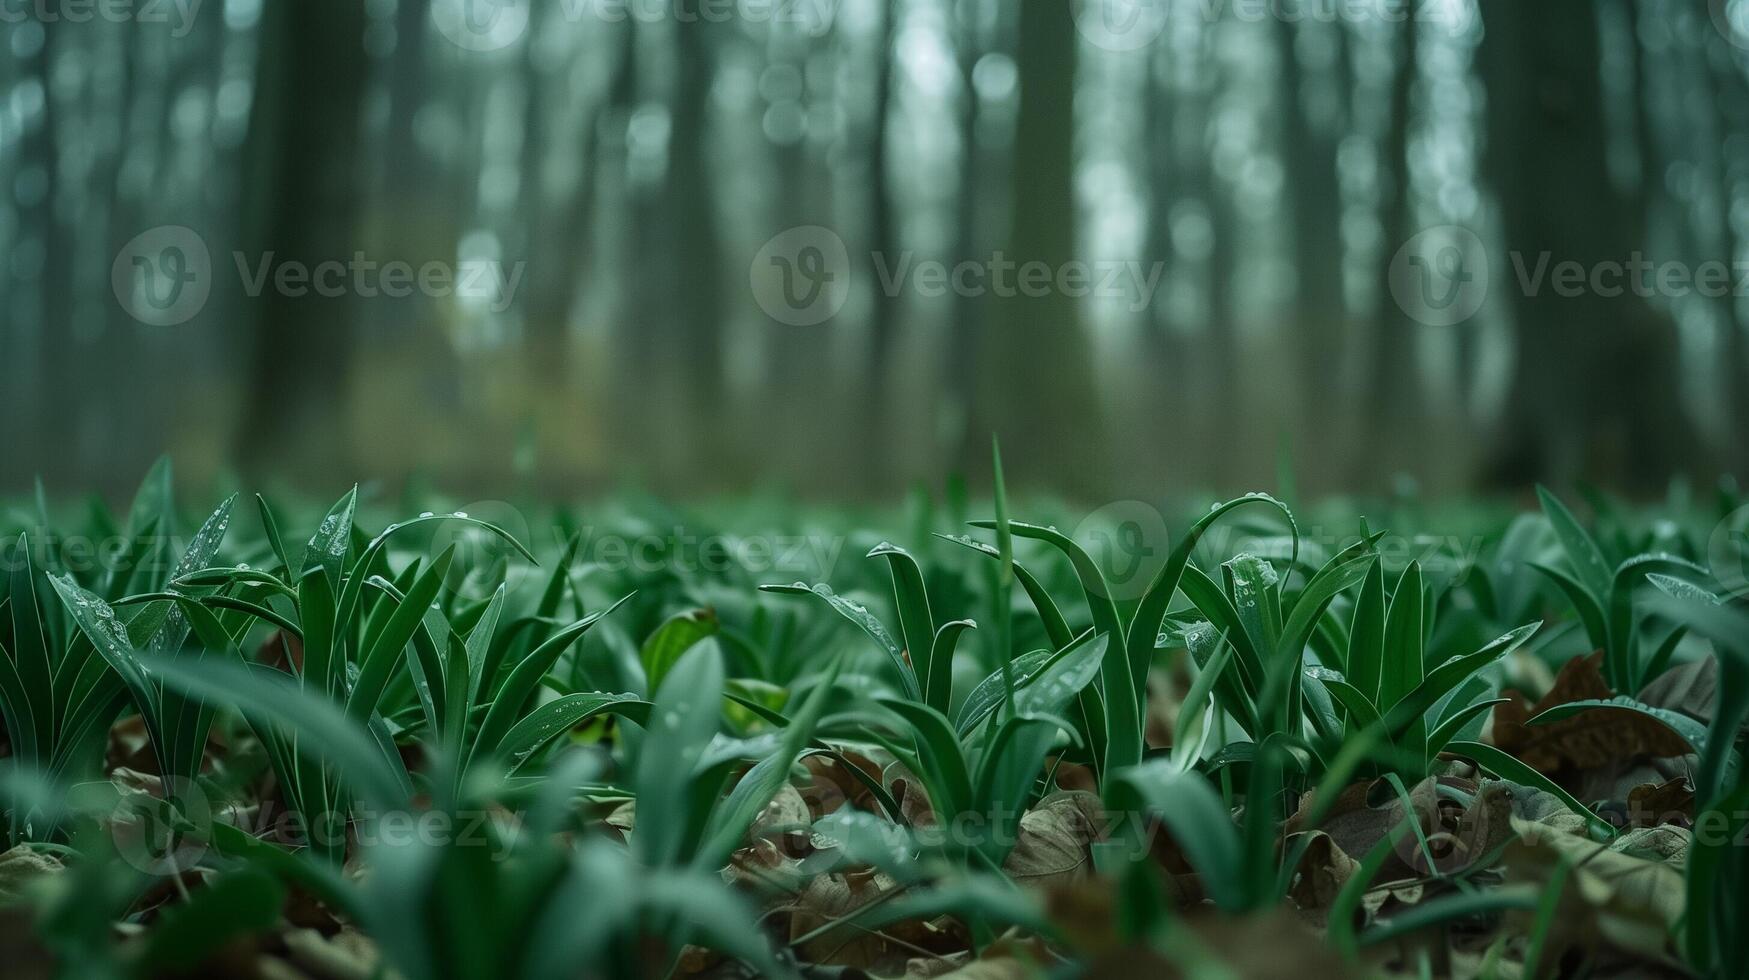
[(165, 275), (1442, 276), (1635, 275), (1129, 25), (178, 15), (802, 277), (491, 25)]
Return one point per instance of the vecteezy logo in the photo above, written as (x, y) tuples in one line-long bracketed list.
[(157, 836), (1731, 17), (163, 276), (1440, 277), (1127, 540), (481, 25), (802, 276), (1120, 25), (483, 559)]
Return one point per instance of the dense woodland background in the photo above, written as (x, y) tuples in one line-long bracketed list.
[(636, 166)]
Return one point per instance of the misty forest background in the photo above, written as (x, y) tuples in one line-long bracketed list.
[(636, 167)]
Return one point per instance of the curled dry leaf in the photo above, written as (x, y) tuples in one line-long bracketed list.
[(1323, 870), (20, 868), (1691, 688), (1055, 844), (1272, 944), (1656, 804), (1588, 740), (832, 786), (1463, 820), (623, 819), (1614, 904), (829, 898), (786, 812), (1012, 956), (347, 955), (129, 747)]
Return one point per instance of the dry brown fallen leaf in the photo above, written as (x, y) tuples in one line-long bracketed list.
[(1055, 844), (834, 786), (1266, 946), (1589, 740), (1013, 956), (1614, 905), (786, 812), (347, 955), (1656, 804), (21, 868), (129, 747), (1166, 690), (1691, 688), (1324, 868), (1463, 819), (829, 897)]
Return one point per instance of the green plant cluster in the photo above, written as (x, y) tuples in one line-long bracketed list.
[(440, 669)]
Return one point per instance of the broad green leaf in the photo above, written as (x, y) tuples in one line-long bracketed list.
[(686, 713), (673, 638)]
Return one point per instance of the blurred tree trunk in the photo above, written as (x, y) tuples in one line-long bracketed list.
[(1163, 346), (1034, 361), (969, 423), (40, 328), (1394, 388), (1309, 153), (1730, 78), (696, 248), (558, 231), (877, 396), (1221, 428), (671, 391), (300, 205), (1595, 391)]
